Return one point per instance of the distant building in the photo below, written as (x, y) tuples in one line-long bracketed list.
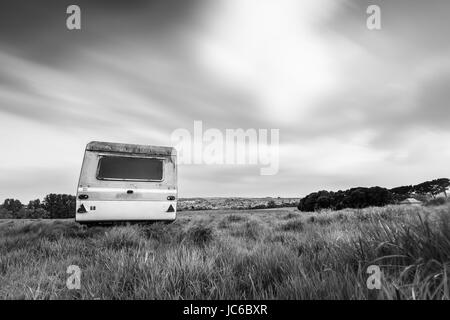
[(411, 201)]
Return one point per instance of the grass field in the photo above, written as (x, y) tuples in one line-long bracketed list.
[(224, 254)]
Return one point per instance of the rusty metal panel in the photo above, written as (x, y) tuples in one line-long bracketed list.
[(130, 148)]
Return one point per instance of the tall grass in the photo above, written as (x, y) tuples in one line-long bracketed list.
[(274, 254)]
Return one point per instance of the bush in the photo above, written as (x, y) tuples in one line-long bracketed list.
[(352, 198)]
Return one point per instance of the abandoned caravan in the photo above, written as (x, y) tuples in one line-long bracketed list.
[(126, 183)]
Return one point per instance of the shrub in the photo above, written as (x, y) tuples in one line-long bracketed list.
[(351, 198)]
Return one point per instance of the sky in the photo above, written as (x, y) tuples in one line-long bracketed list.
[(354, 107)]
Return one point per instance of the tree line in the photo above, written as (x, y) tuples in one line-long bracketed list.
[(362, 197), (427, 189), (53, 206), (60, 206)]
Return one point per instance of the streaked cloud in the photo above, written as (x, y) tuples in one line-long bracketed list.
[(354, 107)]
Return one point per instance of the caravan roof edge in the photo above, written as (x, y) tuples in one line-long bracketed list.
[(130, 148)]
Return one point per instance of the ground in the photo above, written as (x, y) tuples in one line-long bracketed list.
[(235, 254)]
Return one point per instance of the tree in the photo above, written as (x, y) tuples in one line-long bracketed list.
[(26, 213), (38, 213), (12, 205), (34, 204), (402, 193), (5, 214), (378, 197), (440, 186), (362, 197), (323, 202), (424, 188), (59, 205), (433, 187), (352, 198), (357, 198), (308, 203)]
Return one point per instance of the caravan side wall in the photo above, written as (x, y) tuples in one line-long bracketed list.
[(116, 199)]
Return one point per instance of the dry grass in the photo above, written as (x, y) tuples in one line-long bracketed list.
[(257, 254)]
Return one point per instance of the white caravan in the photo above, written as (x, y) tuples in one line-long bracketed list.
[(126, 182)]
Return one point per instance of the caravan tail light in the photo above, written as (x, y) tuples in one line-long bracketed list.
[(170, 197)]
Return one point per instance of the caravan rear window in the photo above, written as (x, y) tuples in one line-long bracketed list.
[(130, 168)]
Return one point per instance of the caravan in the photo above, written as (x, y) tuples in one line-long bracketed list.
[(125, 182)]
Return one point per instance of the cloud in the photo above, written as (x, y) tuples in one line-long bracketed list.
[(37, 30), (354, 107)]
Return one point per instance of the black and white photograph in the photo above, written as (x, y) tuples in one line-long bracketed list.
[(248, 151)]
